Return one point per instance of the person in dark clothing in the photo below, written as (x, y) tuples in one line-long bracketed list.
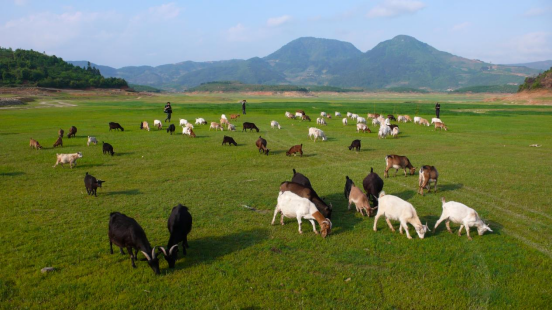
[(243, 106), (168, 111), (437, 109)]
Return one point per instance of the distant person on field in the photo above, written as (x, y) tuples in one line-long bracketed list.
[(243, 106), (437, 109), (168, 111)]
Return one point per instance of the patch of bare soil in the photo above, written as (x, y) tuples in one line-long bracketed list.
[(537, 97)]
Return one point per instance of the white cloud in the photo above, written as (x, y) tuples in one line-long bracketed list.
[(238, 33), (277, 21), (164, 11), (535, 43), (20, 2), (537, 11), (460, 26), (393, 8)]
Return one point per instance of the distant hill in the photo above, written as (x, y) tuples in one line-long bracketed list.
[(30, 68), (488, 89), (542, 81), (542, 65), (402, 62)]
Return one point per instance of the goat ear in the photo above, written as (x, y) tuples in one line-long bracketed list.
[(146, 255), (172, 248), (163, 250)]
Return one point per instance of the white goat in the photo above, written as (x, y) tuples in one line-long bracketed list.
[(322, 114), (216, 126), (433, 120), (231, 127), (200, 121), (274, 124), (183, 122), (384, 131), (417, 120), (375, 122), (361, 120), (293, 206), (298, 115), (289, 115), (345, 121), (337, 114), (463, 215), (321, 121), (354, 116), (158, 124), (349, 114), (316, 133), (381, 120), (190, 125), (401, 119), (223, 116), (395, 131), (362, 127), (395, 208), (71, 158), (92, 140)]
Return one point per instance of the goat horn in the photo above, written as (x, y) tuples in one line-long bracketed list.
[(147, 256), (163, 250), (153, 252), (172, 248)]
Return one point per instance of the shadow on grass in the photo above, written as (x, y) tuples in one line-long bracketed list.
[(343, 219), (405, 195), (12, 174), (125, 192), (93, 165), (9, 133), (447, 187), (211, 248), (124, 153)]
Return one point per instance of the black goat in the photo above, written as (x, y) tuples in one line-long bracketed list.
[(310, 194), (180, 225), (348, 184), (91, 184), (373, 185), (107, 148), (126, 232), (115, 126), (249, 126), (171, 129), (229, 140), (72, 131), (355, 145)]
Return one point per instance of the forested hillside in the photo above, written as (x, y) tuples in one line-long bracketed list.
[(542, 81), (31, 68)]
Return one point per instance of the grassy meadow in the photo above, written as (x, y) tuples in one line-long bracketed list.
[(236, 259)]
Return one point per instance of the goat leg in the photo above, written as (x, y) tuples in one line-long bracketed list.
[(390, 225), (448, 227)]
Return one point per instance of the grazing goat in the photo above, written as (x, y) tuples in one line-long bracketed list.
[(115, 126), (373, 115), (395, 208), (381, 120), (200, 121), (295, 149), (363, 127), (463, 215), (34, 144), (289, 115), (261, 145), (107, 148), (231, 127), (234, 116), (183, 122), (305, 118), (384, 130), (316, 133), (321, 121), (434, 120), (407, 118), (223, 116), (441, 126), (329, 116), (396, 162), (310, 194), (92, 184), (355, 145), (372, 184), (323, 114), (301, 179), (354, 116), (126, 232), (228, 140), (59, 142), (427, 175), (249, 126), (158, 124), (72, 132), (299, 113), (70, 158), (60, 132), (337, 114), (349, 114), (91, 140), (424, 122), (391, 117), (274, 124), (144, 125), (216, 126), (361, 201), (224, 121), (345, 122), (348, 184), (375, 122), (293, 206), (188, 131), (395, 131), (190, 125), (361, 120), (179, 225), (401, 119), (171, 129), (417, 120)]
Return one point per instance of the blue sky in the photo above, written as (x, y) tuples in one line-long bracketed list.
[(132, 33)]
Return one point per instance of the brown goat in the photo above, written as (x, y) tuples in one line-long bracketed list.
[(60, 132), (427, 175), (361, 201), (34, 144), (295, 149), (305, 117), (441, 126), (261, 144), (396, 162), (72, 132), (234, 116), (59, 142), (308, 193)]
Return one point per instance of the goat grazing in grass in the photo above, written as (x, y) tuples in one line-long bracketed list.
[(463, 215), (92, 184), (395, 208), (179, 225)]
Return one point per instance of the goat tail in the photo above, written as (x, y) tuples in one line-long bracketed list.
[(371, 170), (381, 194), (443, 200), (294, 172)]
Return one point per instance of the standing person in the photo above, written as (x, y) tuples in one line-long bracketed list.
[(168, 111), (243, 106), (437, 109)]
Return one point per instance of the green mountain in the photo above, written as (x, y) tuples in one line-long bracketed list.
[(402, 62), (406, 62), (542, 65), (542, 81), (30, 68)]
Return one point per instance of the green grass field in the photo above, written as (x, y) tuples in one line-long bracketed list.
[(236, 259)]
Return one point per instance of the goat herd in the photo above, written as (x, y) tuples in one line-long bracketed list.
[(297, 198)]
